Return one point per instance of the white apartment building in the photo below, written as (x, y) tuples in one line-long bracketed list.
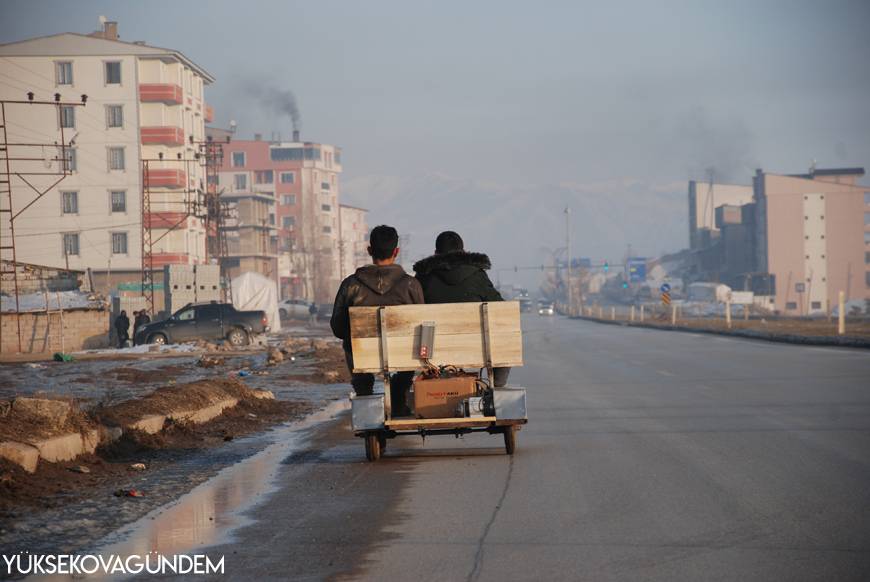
[(142, 102), (354, 240)]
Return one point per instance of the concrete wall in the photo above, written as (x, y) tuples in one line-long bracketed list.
[(41, 332), (703, 201)]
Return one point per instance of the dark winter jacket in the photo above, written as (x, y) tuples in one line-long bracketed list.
[(370, 286), (457, 277), (122, 325)]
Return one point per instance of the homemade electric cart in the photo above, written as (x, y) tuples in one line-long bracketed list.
[(439, 339)]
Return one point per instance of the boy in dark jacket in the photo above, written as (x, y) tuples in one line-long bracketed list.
[(453, 275), (381, 283)]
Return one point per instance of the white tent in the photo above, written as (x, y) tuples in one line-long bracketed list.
[(253, 291)]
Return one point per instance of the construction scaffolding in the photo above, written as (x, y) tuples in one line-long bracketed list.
[(19, 160), (170, 177)]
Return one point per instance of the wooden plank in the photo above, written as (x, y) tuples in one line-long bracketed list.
[(431, 423), (459, 339)]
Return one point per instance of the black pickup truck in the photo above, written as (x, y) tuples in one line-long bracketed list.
[(206, 321)]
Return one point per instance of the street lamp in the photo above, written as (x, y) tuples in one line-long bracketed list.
[(568, 253)]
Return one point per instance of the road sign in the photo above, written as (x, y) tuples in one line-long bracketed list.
[(636, 270), (665, 288), (666, 298)]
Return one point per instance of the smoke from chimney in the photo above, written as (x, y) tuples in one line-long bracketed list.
[(279, 102)]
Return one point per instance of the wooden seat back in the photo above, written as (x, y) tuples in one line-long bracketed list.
[(467, 335)]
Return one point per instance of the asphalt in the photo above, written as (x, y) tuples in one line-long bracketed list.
[(648, 455)]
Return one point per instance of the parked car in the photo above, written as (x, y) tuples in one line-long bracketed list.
[(546, 308), (205, 321), (294, 308)]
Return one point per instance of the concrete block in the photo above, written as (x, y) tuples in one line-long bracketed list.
[(60, 448), (23, 455), (205, 414), (53, 411), (151, 424)]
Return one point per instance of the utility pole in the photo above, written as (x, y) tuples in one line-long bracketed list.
[(568, 254)]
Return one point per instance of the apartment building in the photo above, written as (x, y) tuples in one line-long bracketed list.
[(354, 239), (303, 180), (143, 103)]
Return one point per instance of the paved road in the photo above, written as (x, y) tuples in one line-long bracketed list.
[(649, 455)]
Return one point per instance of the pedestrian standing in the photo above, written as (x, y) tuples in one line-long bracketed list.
[(312, 315), (122, 328)]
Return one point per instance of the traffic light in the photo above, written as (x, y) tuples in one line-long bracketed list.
[(606, 266)]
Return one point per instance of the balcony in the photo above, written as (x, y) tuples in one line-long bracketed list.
[(209, 114), (165, 178), (163, 135), (168, 93)]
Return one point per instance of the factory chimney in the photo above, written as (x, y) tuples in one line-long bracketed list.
[(295, 135)]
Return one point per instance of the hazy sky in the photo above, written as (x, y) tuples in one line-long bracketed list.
[(527, 92)]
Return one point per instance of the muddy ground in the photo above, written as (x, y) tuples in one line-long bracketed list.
[(69, 505)]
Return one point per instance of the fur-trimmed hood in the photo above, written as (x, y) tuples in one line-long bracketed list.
[(449, 261)]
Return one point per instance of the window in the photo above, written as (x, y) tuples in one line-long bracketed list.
[(119, 201), (67, 117), (240, 181), (291, 154), (185, 315), (867, 278), (324, 185), (867, 257), (325, 207), (208, 312), (791, 305), (113, 73), (71, 244), (114, 116), (327, 229), (264, 177), (289, 222), (866, 198), (867, 218), (63, 73), (238, 159), (271, 219), (816, 305), (867, 238), (119, 243), (70, 202), (288, 199), (116, 158), (71, 160), (337, 157), (288, 177)]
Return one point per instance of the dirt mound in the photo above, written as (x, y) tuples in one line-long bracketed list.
[(171, 398), (28, 419)]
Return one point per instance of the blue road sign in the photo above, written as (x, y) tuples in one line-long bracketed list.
[(665, 287)]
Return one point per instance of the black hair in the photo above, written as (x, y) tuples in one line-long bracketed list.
[(383, 240), (448, 242)]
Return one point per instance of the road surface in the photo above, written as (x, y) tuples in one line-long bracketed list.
[(649, 455)]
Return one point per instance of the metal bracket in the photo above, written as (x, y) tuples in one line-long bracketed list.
[(487, 342), (385, 362)]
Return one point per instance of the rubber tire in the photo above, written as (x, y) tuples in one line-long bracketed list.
[(282, 313), (373, 447), (158, 338), (239, 333), (510, 439)]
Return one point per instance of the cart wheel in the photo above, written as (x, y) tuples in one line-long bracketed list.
[(373, 447), (510, 439)]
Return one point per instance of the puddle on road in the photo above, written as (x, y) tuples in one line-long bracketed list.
[(210, 513)]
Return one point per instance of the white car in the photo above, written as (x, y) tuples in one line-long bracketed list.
[(545, 308), (294, 309)]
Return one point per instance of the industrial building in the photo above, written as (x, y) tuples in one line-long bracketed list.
[(798, 242)]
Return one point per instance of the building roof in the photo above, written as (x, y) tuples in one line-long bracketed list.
[(353, 207), (830, 172), (75, 44)]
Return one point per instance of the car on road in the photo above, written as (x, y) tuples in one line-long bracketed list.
[(546, 308), (205, 321), (294, 309)]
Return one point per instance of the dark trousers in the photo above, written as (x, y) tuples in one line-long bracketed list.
[(122, 338), (364, 385)]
